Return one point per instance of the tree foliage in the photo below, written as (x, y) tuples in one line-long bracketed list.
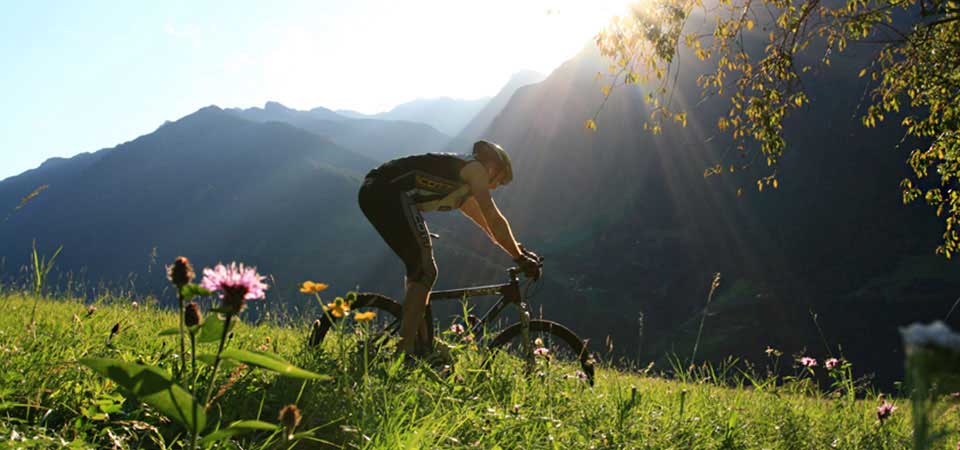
[(913, 75)]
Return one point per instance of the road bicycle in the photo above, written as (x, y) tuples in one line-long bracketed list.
[(523, 338)]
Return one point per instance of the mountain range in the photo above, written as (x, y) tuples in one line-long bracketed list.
[(633, 233), (379, 140)]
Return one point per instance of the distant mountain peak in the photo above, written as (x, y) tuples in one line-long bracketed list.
[(207, 110), (320, 109), (273, 106), (202, 117)]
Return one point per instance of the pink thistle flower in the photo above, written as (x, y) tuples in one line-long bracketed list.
[(541, 351), (807, 361), (457, 328), (236, 284), (831, 363), (885, 410)]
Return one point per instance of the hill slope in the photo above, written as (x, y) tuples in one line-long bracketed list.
[(396, 406)]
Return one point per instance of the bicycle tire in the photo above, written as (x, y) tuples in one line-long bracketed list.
[(369, 300), (563, 334)]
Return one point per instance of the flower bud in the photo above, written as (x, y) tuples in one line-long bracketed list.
[(180, 273), (192, 315), (234, 298), (290, 418)]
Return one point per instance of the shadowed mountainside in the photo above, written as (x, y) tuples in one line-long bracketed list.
[(211, 186), (480, 123)]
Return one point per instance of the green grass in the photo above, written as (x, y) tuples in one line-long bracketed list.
[(47, 400)]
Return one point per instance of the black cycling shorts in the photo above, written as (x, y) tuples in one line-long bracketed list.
[(401, 225)]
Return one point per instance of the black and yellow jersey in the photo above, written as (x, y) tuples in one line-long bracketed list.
[(433, 181)]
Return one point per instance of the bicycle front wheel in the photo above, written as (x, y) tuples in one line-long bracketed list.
[(388, 312), (557, 339)]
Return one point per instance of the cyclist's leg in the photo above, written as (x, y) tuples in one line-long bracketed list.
[(421, 275), (401, 225)]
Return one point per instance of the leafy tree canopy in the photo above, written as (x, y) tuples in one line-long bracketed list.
[(913, 75)]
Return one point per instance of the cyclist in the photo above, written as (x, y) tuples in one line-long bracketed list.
[(393, 196)]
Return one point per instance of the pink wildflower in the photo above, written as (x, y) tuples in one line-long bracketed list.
[(885, 410), (832, 363), (457, 328), (236, 284), (541, 351), (807, 361)]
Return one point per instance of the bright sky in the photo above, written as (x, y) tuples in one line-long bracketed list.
[(80, 76)]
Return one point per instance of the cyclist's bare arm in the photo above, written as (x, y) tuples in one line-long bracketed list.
[(471, 209), (476, 176)]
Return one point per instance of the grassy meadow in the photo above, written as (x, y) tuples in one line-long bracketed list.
[(375, 401)]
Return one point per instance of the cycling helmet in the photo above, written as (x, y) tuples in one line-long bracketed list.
[(489, 151)]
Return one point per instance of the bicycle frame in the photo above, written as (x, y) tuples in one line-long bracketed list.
[(509, 294)]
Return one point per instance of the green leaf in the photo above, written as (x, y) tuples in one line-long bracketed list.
[(210, 358), (272, 363), (237, 428), (169, 332), (394, 368), (212, 329), (190, 290), (154, 387)]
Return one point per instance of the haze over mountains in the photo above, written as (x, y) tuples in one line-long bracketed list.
[(446, 114), (632, 230)]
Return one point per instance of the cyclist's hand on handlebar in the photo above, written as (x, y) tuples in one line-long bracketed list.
[(530, 265), (527, 252)]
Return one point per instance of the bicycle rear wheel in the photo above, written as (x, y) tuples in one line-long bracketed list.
[(388, 315), (556, 338)]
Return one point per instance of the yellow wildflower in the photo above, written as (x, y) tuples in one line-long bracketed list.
[(364, 316), (338, 308), (310, 287)]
